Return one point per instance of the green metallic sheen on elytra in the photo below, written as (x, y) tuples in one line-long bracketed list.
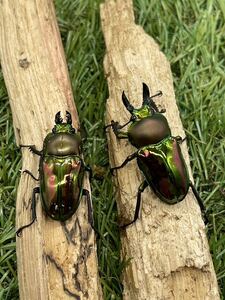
[(61, 172), (61, 185), (159, 156), (165, 170)]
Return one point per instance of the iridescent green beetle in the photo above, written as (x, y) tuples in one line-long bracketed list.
[(158, 156), (61, 173)]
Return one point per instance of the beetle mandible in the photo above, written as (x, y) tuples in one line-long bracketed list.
[(158, 156), (61, 173)]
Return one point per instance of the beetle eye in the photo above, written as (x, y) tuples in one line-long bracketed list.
[(133, 118)]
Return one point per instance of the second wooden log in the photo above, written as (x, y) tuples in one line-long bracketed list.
[(168, 244)]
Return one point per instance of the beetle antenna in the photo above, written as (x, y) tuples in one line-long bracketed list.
[(127, 104), (158, 94), (147, 99), (152, 103), (58, 119), (68, 118)]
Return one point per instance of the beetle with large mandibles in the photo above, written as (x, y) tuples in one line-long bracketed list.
[(61, 173), (158, 156)]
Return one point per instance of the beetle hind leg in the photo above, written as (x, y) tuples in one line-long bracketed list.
[(36, 190), (141, 189), (200, 202), (90, 211)]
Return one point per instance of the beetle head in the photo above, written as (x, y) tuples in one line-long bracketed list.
[(148, 107), (61, 126)]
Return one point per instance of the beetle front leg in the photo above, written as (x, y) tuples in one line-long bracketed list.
[(36, 190), (129, 158), (116, 127), (29, 172), (32, 148), (200, 203), (141, 189)]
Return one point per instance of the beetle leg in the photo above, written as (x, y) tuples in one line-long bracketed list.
[(141, 189), (200, 202), (36, 190), (117, 129), (147, 99), (129, 158), (179, 139), (89, 169), (33, 149), (29, 172), (158, 94), (90, 210)]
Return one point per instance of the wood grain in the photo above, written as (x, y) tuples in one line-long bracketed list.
[(55, 261), (168, 246)]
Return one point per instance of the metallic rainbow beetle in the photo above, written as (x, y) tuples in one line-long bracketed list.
[(158, 156), (61, 173)]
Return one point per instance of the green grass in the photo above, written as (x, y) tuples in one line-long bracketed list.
[(192, 35)]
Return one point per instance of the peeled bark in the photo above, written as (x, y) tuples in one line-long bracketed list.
[(55, 261), (168, 247)]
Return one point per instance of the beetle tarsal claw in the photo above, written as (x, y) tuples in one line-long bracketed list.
[(112, 171), (19, 233), (115, 126)]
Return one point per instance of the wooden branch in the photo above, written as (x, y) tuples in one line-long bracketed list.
[(168, 244), (55, 261)]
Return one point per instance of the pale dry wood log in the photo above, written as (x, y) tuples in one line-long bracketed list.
[(55, 261), (168, 246)]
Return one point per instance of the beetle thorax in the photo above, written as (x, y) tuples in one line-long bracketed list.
[(62, 144), (149, 130)]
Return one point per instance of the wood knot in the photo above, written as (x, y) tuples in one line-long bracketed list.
[(24, 63)]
